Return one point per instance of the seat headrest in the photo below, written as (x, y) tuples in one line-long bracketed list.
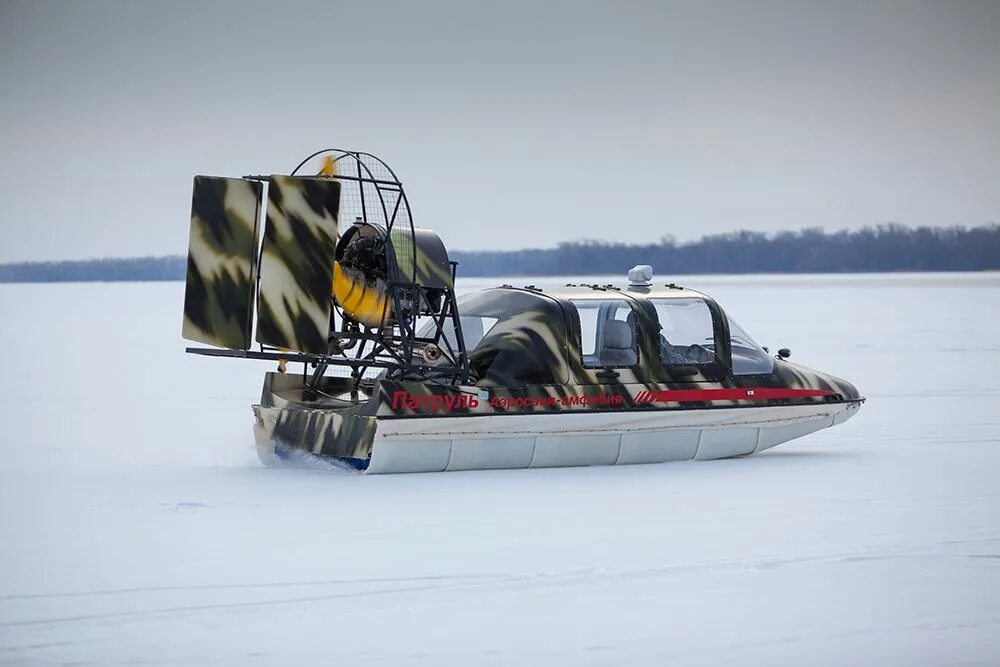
[(617, 335)]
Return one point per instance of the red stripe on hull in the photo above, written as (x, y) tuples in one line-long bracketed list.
[(749, 394)]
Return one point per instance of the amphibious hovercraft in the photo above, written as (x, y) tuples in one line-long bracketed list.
[(398, 374)]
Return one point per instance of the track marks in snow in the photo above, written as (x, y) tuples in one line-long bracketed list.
[(418, 585), (215, 607), (377, 587), (218, 587)]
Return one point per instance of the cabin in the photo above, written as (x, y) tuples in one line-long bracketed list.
[(603, 334)]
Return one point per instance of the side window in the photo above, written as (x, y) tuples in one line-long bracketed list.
[(588, 330), (474, 327), (607, 333), (687, 334)]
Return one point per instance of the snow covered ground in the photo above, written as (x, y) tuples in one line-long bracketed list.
[(136, 526)]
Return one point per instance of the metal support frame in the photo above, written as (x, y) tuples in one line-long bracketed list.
[(395, 346), (300, 357)]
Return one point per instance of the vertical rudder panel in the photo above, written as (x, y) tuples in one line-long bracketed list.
[(296, 264), (221, 263)]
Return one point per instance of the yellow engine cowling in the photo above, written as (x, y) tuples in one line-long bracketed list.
[(361, 301)]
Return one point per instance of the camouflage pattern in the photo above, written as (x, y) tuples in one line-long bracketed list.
[(432, 268), (296, 265), (339, 424), (533, 353), (402, 252), (793, 376), (318, 431), (527, 345), (222, 256), (530, 363), (549, 398), (420, 257)]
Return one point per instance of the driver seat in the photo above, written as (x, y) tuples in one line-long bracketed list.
[(618, 347)]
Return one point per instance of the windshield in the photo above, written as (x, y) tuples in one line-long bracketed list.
[(687, 337), (749, 358)]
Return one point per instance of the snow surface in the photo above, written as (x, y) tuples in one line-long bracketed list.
[(137, 527)]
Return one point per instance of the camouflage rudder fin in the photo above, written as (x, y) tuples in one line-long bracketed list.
[(221, 262), (296, 266)]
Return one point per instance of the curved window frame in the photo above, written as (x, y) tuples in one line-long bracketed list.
[(574, 304), (711, 346)]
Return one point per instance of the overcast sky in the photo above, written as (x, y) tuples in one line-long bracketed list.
[(511, 125)]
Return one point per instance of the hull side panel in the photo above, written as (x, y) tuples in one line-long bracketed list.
[(410, 456), (659, 446), (539, 441), (774, 436), (491, 453), (723, 443), (557, 451)]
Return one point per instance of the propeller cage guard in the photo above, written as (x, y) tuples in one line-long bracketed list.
[(327, 292)]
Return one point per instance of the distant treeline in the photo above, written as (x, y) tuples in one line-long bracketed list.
[(872, 249), (129, 269)]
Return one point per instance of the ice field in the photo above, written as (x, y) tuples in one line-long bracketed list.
[(136, 526)]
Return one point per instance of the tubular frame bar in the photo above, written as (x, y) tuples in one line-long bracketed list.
[(297, 357)]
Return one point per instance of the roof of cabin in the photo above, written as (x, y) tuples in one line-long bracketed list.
[(580, 292)]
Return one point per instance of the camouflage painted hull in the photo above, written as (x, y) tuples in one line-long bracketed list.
[(379, 433)]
